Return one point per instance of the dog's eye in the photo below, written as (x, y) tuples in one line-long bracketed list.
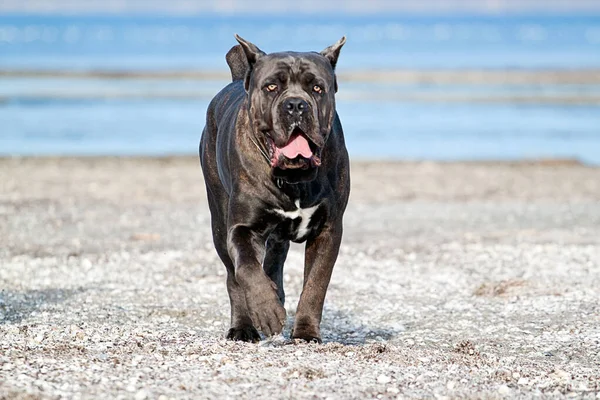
[(271, 87), (318, 89)]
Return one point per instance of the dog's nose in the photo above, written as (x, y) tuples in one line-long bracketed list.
[(295, 105)]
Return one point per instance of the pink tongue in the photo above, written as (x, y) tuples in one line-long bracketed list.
[(298, 145)]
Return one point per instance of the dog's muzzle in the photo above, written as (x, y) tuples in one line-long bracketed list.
[(298, 153)]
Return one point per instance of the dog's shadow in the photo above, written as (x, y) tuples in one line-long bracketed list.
[(345, 327), (15, 306)]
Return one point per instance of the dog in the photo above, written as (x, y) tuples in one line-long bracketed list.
[(276, 170)]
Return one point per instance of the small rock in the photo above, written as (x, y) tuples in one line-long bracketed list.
[(383, 379), (141, 395), (225, 360), (39, 338), (562, 375), (503, 390), (523, 381)]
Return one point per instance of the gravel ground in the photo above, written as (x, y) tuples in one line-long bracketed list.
[(454, 280)]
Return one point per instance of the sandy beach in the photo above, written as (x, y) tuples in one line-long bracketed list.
[(455, 280)]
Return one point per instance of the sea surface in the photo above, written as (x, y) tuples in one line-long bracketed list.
[(64, 114)]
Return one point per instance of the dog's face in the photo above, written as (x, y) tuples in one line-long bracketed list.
[(292, 106)]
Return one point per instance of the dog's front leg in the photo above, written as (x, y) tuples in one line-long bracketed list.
[(320, 256), (247, 249)]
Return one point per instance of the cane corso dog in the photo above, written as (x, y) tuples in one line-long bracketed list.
[(276, 170)]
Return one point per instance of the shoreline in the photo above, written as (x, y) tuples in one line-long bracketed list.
[(472, 181)]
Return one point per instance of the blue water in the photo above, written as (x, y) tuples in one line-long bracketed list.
[(391, 131), (373, 41), (82, 116)]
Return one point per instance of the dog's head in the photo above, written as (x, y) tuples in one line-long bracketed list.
[(292, 106)]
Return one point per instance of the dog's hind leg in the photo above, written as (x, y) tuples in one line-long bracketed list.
[(276, 253)]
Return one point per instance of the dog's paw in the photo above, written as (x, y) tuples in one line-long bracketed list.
[(264, 308), (306, 331), (268, 316), (267, 313), (246, 333), (309, 339)]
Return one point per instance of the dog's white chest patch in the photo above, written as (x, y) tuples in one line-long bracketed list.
[(304, 214)]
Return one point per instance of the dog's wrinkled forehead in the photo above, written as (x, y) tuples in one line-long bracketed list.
[(292, 64), (293, 67)]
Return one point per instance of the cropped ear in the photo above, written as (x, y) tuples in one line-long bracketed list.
[(236, 60), (333, 52), (253, 53)]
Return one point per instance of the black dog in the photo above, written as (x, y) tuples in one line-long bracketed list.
[(276, 169)]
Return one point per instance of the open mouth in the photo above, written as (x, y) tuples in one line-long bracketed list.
[(298, 153)]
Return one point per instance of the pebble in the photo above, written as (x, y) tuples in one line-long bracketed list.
[(523, 381), (504, 390), (562, 375)]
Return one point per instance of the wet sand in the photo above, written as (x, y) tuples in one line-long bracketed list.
[(513, 86)]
